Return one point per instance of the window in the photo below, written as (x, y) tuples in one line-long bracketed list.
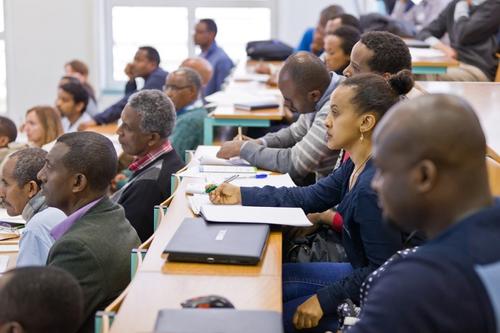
[(3, 68), (168, 25)]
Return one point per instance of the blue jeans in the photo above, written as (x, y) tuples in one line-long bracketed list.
[(301, 281)]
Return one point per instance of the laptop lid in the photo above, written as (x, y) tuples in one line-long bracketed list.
[(217, 321), (228, 243)]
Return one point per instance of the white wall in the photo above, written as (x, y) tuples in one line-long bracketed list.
[(295, 16), (42, 35)]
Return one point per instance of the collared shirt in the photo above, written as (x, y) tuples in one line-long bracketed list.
[(195, 105), (69, 127), (142, 161), (221, 64), (59, 230), (36, 241)]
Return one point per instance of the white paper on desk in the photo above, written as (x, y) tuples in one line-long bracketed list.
[(425, 53), (242, 76), (194, 172), (9, 248), (227, 169), (7, 218), (196, 201), (246, 214), (4, 261), (212, 160)]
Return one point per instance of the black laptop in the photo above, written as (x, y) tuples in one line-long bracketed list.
[(225, 243), (218, 321)]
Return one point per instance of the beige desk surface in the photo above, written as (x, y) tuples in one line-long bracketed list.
[(484, 98), (159, 284), (434, 62), (104, 129), (12, 255)]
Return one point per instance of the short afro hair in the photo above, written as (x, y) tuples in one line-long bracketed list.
[(156, 110), (78, 91), (41, 299), (29, 161), (152, 54), (8, 128), (91, 154), (390, 53), (211, 25)]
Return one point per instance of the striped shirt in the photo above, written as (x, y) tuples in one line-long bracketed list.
[(301, 148)]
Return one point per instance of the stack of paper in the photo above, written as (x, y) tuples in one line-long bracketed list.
[(212, 160)]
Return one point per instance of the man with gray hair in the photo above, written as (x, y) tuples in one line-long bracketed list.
[(148, 120), (20, 193), (183, 87)]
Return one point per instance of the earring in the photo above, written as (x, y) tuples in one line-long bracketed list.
[(362, 137)]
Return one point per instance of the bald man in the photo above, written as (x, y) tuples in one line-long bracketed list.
[(300, 149), (440, 186), (201, 66)]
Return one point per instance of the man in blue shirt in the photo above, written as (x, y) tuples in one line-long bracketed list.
[(145, 65), (204, 37), (440, 186)]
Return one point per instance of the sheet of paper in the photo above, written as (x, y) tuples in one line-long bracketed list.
[(198, 200), (425, 53), (9, 248), (4, 261), (245, 214), (7, 218), (212, 160), (227, 169)]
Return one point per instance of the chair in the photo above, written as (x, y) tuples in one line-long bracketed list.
[(497, 78)]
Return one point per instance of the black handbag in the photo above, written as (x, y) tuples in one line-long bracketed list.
[(268, 50)]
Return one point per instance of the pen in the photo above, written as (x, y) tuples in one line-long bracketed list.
[(240, 134), (213, 187)]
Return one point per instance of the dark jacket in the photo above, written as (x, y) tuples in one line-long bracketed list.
[(367, 242), (473, 37), (96, 250), (147, 188), (155, 80)]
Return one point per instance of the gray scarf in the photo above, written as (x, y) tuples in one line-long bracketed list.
[(34, 205)]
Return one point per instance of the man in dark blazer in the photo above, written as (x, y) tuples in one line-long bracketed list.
[(95, 240)]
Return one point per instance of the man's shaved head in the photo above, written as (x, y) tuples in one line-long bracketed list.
[(201, 66), (430, 154), (302, 81), (306, 71)]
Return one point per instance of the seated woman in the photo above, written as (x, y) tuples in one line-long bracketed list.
[(42, 126), (312, 291), (338, 47)]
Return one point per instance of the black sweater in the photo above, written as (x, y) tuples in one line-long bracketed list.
[(147, 188), (473, 37)]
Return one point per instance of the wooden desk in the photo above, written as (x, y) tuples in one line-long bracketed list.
[(104, 129), (229, 116), (484, 98), (12, 255), (159, 284)]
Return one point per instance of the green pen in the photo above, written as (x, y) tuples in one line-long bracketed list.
[(213, 187)]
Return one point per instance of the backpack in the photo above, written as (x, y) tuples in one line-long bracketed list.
[(268, 50)]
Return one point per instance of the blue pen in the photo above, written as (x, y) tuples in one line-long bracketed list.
[(261, 175)]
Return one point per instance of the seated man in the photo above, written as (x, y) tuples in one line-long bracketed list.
[(422, 186), (147, 121), (21, 194), (8, 134), (146, 65), (41, 300), (202, 67), (382, 53), (299, 149), (472, 29), (312, 40), (94, 242), (183, 87), (72, 100), (419, 15), (204, 37)]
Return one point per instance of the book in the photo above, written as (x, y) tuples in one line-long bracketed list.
[(257, 105)]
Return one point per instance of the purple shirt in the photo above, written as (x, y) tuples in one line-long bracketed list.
[(59, 230)]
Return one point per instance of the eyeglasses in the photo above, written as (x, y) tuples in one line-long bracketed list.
[(173, 87)]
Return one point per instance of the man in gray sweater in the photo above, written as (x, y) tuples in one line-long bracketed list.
[(301, 148), (472, 26)]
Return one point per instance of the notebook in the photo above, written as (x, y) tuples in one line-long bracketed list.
[(217, 321), (247, 214), (226, 243)]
